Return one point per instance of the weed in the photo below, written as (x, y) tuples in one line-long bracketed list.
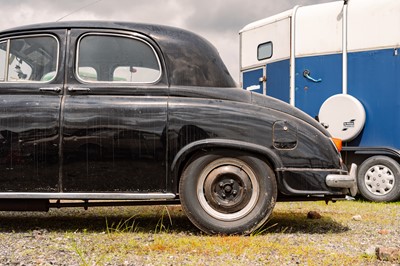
[(81, 254), (123, 226), (263, 229), (161, 227)]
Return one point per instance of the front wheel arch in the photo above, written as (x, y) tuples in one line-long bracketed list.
[(228, 193)]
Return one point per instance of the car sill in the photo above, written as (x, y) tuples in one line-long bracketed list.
[(87, 196)]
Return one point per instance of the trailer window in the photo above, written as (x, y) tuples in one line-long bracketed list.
[(264, 51)]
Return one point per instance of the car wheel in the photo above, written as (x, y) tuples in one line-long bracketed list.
[(228, 194), (378, 179)]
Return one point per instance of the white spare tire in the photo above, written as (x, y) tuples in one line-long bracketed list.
[(343, 116)]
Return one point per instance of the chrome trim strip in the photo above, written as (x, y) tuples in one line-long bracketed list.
[(329, 170), (87, 196)]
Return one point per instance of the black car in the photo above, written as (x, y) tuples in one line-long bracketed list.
[(113, 113)]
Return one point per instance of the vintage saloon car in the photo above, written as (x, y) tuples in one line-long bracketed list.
[(107, 113)]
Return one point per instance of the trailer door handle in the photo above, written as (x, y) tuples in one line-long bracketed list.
[(307, 74)]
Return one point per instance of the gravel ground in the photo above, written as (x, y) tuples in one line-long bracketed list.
[(347, 233)]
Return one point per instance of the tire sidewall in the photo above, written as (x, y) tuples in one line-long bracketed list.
[(394, 167), (245, 225)]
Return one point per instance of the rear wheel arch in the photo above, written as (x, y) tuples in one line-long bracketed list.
[(191, 151)]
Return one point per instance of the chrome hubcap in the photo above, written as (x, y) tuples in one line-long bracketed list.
[(379, 180)]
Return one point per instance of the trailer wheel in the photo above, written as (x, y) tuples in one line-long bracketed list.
[(378, 179), (225, 193)]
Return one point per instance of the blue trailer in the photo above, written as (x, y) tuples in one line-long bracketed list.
[(340, 63)]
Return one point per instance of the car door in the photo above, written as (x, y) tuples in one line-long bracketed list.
[(114, 114), (31, 82)]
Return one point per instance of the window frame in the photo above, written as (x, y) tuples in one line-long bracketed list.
[(136, 37), (6, 69), (6, 60), (258, 51)]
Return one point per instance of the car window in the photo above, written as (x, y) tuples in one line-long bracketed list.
[(29, 58), (116, 58)]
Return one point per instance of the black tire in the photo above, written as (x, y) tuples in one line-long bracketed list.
[(228, 194), (378, 179)]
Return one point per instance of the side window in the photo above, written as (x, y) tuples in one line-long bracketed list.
[(264, 51), (27, 59), (116, 58)]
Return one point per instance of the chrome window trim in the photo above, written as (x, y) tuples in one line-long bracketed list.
[(7, 60), (8, 39), (133, 36)]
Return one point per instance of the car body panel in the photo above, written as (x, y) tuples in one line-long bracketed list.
[(95, 138)]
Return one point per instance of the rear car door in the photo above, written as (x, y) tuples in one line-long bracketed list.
[(114, 114), (31, 82)]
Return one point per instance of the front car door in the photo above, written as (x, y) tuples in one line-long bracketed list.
[(31, 82), (114, 114)]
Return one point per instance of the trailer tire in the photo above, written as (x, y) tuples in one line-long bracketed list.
[(228, 193), (378, 179)]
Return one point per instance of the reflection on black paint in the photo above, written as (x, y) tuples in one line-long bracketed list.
[(114, 144), (29, 143)]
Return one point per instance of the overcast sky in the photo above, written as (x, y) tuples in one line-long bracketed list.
[(219, 21)]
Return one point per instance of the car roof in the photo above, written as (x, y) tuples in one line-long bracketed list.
[(190, 59)]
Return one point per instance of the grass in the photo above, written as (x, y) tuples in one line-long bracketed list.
[(160, 235)]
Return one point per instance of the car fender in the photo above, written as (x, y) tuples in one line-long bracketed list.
[(192, 147)]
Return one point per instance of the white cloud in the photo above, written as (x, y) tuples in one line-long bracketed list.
[(219, 21)]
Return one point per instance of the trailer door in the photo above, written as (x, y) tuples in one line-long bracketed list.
[(265, 53), (318, 55)]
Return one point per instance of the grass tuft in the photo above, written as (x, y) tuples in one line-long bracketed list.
[(161, 226), (123, 226)]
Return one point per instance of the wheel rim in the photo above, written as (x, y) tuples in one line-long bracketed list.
[(379, 180), (228, 189)]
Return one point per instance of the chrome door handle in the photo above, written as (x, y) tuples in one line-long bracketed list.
[(77, 89), (51, 89)]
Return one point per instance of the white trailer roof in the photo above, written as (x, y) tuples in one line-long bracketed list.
[(269, 20)]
